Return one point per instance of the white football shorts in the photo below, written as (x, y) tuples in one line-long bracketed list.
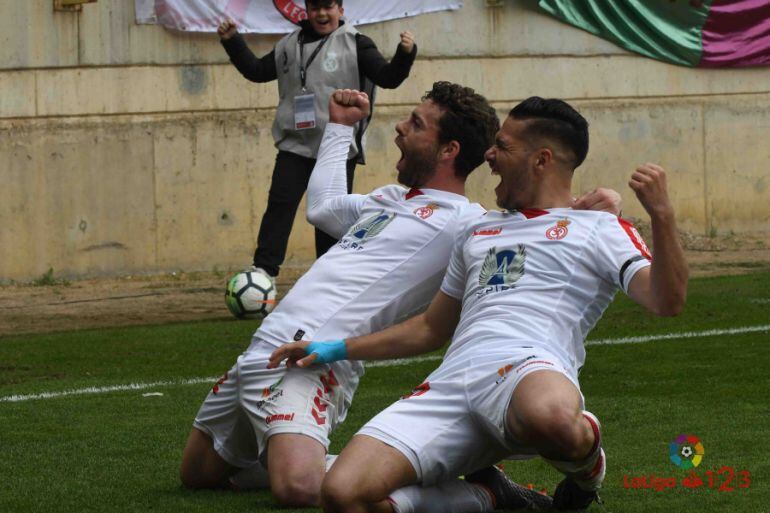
[(251, 403), (454, 422)]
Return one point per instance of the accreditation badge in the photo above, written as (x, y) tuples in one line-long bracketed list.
[(304, 112)]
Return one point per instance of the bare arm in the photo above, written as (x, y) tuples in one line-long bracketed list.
[(421, 334), (661, 287)]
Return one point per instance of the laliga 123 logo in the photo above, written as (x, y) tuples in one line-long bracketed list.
[(686, 451)]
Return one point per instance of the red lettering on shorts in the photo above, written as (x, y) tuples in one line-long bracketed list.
[(285, 417), (533, 362), (215, 390), (418, 390)]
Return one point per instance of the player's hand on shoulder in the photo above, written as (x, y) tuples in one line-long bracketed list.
[(600, 200), (227, 29), (348, 106), (649, 184), (407, 42), (294, 353)]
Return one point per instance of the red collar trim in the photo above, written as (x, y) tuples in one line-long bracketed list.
[(413, 192), (529, 213)]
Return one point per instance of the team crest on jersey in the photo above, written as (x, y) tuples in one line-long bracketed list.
[(426, 211), (330, 63), (366, 230), (559, 230), (501, 269)]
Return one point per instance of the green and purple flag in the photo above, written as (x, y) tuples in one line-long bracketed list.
[(704, 33)]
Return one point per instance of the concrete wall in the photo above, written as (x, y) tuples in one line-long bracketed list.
[(127, 148)]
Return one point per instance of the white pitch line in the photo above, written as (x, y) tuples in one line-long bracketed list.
[(381, 363), (669, 336), (104, 390)]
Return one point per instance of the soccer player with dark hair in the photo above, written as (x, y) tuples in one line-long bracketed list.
[(523, 288), (394, 246)]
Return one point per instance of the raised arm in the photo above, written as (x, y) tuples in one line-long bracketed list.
[(421, 334), (329, 206), (252, 68), (661, 287), (383, 73)]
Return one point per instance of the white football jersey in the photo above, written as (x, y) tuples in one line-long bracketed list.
[(393, 251), (538, 278)]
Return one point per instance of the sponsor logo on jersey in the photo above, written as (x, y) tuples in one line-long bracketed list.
[(367, 229), (298, 335), (488, 231), (501, 269), (559, 230), (426, 211), (285, 417)]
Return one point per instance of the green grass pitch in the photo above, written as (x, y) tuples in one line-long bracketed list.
[(119, 451)]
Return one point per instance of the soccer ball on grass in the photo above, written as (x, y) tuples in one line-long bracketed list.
[(250, 295)]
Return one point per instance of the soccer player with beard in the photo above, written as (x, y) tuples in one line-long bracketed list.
[(394, 247), (523, 288)]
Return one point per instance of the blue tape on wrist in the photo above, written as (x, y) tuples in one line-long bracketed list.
[(328, 351)]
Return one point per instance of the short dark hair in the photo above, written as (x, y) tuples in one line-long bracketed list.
[(322, 3), (467, 118), (557, 120)]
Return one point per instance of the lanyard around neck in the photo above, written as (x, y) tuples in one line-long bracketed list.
[(302, 65)]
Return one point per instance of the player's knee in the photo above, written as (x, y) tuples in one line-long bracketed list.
[(561, 427), (296, 492), (193, 477), (201, 466), (189, 469), (552, 425), (337, 496)]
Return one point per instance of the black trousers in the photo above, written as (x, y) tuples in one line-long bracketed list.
[(290, 177)]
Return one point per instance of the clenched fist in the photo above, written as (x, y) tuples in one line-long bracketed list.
[(407, 41), (227, 29), (649, 184), (348, 106)]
